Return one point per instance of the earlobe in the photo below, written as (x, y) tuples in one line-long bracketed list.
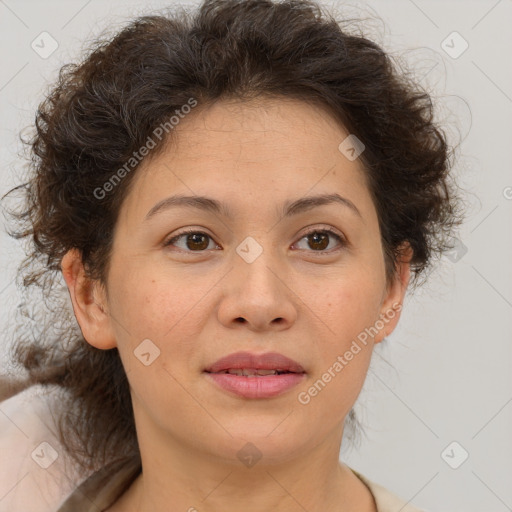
[(396, 290), (89, 302)]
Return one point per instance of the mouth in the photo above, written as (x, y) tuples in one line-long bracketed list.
[(253, 372), (255, 376)]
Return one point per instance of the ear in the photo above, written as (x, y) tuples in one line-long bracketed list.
[(89, 302), (392, 302)]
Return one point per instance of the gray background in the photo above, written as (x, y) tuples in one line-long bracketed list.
[(449, 377)]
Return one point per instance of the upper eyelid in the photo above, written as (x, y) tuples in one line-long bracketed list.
[(168, 241)]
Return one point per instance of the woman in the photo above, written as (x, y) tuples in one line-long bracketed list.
[(236, 200)]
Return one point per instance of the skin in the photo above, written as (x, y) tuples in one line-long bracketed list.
[(252, 156)]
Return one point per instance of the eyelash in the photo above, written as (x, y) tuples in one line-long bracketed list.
[(341, 240)]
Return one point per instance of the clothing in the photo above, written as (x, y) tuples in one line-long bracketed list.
[(103, 488), (25, 423)]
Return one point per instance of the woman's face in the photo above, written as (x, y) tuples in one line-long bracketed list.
[(257, 276)]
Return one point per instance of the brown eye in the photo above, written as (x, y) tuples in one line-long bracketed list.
[(197, 241), (319, 240), (194, 241)]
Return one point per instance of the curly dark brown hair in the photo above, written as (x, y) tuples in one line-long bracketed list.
[(104, 108)]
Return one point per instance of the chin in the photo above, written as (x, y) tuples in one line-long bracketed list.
[(264, 441)]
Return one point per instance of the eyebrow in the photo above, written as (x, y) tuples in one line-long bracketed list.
[(289, 208)]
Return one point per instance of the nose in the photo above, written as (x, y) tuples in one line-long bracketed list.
[(257, 297)]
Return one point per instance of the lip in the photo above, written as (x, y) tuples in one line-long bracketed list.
[(264, 386), (266, 361)]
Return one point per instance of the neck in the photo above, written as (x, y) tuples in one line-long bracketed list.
[(191, 480)]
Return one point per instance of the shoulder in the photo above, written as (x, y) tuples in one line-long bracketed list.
[(386, 501), (35, 474), (104, 487)]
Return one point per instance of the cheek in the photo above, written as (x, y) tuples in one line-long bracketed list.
[(147, 304), (347, 304), (156, 329), (344, 352), (140, 302), (348, 308)]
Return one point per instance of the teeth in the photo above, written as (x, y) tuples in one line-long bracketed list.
[(265, 372), (252, 372)]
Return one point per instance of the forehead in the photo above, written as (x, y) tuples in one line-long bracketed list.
[(266, 147), (264, 121)]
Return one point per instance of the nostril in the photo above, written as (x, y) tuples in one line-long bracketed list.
[(240, 320)]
